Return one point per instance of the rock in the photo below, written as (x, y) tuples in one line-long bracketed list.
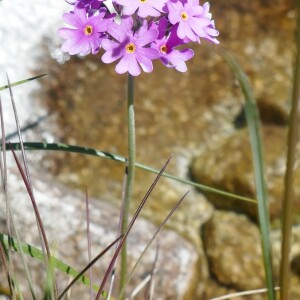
[(63, 215), (273, 104), (233, 249), (228, 166)]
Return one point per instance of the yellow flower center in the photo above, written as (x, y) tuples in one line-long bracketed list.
[(88, 30), (143, 1), (163, 49), (184, 15), (130, 48)]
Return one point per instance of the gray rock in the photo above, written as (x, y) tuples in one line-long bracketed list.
[(63, 215)]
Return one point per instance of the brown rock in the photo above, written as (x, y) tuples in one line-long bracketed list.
[(228, 166), (233, 251)]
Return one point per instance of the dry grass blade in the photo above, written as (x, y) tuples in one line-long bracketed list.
[(9, 216), (151, 241), (139, 287), (151, 286), (110, 267), (88, 266), (244, 293), (19, 131), (289, 184)]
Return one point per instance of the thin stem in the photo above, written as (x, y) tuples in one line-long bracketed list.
[(130, 175), (287, 214)]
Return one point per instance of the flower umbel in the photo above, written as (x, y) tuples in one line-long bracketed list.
[(138, 32)]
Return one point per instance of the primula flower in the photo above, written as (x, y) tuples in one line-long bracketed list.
[(131, 48), (209, 32), (85, 37), (170, 56), (138, 31), (192, 19), (145, 8)]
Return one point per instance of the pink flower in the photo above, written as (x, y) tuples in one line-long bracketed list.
[(131, 48), (85, 36), (193, 20), (170, 56)]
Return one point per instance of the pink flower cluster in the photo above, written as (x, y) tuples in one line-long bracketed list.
[(136, 32)]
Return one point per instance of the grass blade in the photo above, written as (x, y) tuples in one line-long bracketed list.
[(26, 175), (90, 264), (113, 273), (88, 235), (3, 167), (160, 227), (29, 250), (21, 82), (112, 263), (121, 159), (244, 293), (258, 161), (151, 286), (287, 214), (10, 219), (27, 180)]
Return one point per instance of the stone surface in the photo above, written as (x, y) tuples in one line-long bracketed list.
[(232, 245), (233, 250), (228, 166)]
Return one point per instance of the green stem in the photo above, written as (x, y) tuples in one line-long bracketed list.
[(288, 206), (130, 174)]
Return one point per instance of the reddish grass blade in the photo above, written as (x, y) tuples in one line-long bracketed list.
[(29, 190), (89, 265), (151, 241), (110, 267), (26, 178)]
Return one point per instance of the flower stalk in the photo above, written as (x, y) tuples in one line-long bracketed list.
[(130, 173)]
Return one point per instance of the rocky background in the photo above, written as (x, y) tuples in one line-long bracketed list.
[(199, 117)]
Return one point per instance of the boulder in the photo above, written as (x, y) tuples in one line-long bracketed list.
[(228, 166), (232, 245), (63, 214)]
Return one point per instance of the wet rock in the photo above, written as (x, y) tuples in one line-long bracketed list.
[(63, 215), (228, 166)]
